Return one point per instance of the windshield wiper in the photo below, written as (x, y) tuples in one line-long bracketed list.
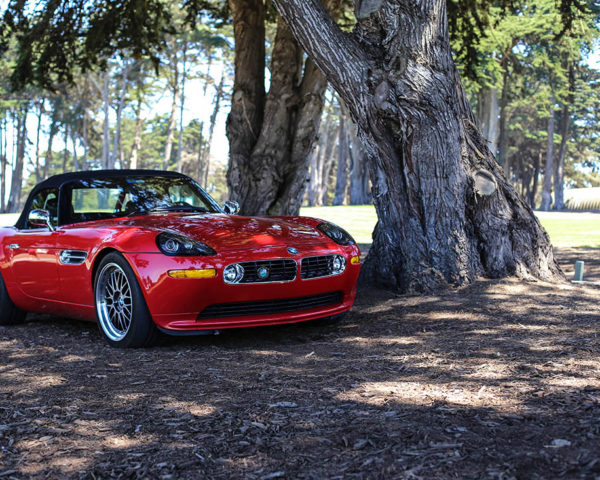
[(180, 208)]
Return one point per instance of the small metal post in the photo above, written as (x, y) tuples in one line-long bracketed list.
[(578, 271)]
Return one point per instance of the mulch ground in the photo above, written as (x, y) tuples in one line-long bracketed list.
[(499, 380)]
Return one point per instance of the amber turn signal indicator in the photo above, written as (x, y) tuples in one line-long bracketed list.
[(204, 273), (355, 260)]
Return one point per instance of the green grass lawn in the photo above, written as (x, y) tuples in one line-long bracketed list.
[(566, 229)]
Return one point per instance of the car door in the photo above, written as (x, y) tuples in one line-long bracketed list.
[(76, 242), (33, 252)]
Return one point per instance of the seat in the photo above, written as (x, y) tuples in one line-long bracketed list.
[(51, 205)]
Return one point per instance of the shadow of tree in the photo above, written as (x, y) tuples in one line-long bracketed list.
[(498, 380)]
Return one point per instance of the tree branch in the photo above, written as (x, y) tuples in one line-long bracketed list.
[(338, 55)]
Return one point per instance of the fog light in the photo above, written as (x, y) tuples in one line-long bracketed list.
[(339, 264), (233, 273), (204, 273)]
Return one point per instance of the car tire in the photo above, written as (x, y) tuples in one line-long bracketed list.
[(121, 311), (10, 314)]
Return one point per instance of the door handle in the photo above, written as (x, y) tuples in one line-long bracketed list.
[(14, 246)]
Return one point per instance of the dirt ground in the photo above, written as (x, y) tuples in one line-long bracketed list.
[(500, 380)]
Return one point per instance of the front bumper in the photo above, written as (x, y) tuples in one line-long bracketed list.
[(176, 303)]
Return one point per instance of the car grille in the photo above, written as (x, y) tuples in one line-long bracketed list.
[(314, 267), (265, 307), (281, 270)]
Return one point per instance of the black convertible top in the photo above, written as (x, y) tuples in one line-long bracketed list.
[(56, 181)]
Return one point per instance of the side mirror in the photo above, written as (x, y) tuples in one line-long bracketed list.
[(40, 218), (231, 207)]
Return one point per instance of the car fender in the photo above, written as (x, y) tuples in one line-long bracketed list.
[(123, 240), (5, 263)]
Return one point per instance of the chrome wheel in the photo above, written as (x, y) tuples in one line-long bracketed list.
[(114, 302)]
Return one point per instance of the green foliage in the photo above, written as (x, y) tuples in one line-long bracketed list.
[(536, 67), (58, 38)]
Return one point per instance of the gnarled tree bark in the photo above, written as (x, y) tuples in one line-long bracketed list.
[(446, 212), (247, 103), (270, 148)]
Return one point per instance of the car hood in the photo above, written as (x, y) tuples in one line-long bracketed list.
[(232, 232)]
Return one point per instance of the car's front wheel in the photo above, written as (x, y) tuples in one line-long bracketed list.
[(10, 314), (121, 310)]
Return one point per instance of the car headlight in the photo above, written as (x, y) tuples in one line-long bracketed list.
[(233, 273), (179, 246), (338, 265), (337, 234)]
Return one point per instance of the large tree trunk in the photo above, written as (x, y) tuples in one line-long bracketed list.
[(247, 102), (305, 130), (259, 175), (447, 214), (549, 167), (269, 155)]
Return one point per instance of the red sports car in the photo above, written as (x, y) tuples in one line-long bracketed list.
[(146, 251)]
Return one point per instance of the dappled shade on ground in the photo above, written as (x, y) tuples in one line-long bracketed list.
[(498, 380)]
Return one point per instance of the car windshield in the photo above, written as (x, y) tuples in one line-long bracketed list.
[(128, 196)]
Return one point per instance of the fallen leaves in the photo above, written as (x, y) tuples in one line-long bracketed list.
[(477, 384)]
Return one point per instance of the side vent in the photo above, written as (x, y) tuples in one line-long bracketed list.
[(72, 257)]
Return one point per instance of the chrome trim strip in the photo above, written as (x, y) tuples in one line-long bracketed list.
[(323, 276), (72, 257), (295, 260)]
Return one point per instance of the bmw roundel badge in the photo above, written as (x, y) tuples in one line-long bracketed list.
[(262, 272), (292, 250)]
